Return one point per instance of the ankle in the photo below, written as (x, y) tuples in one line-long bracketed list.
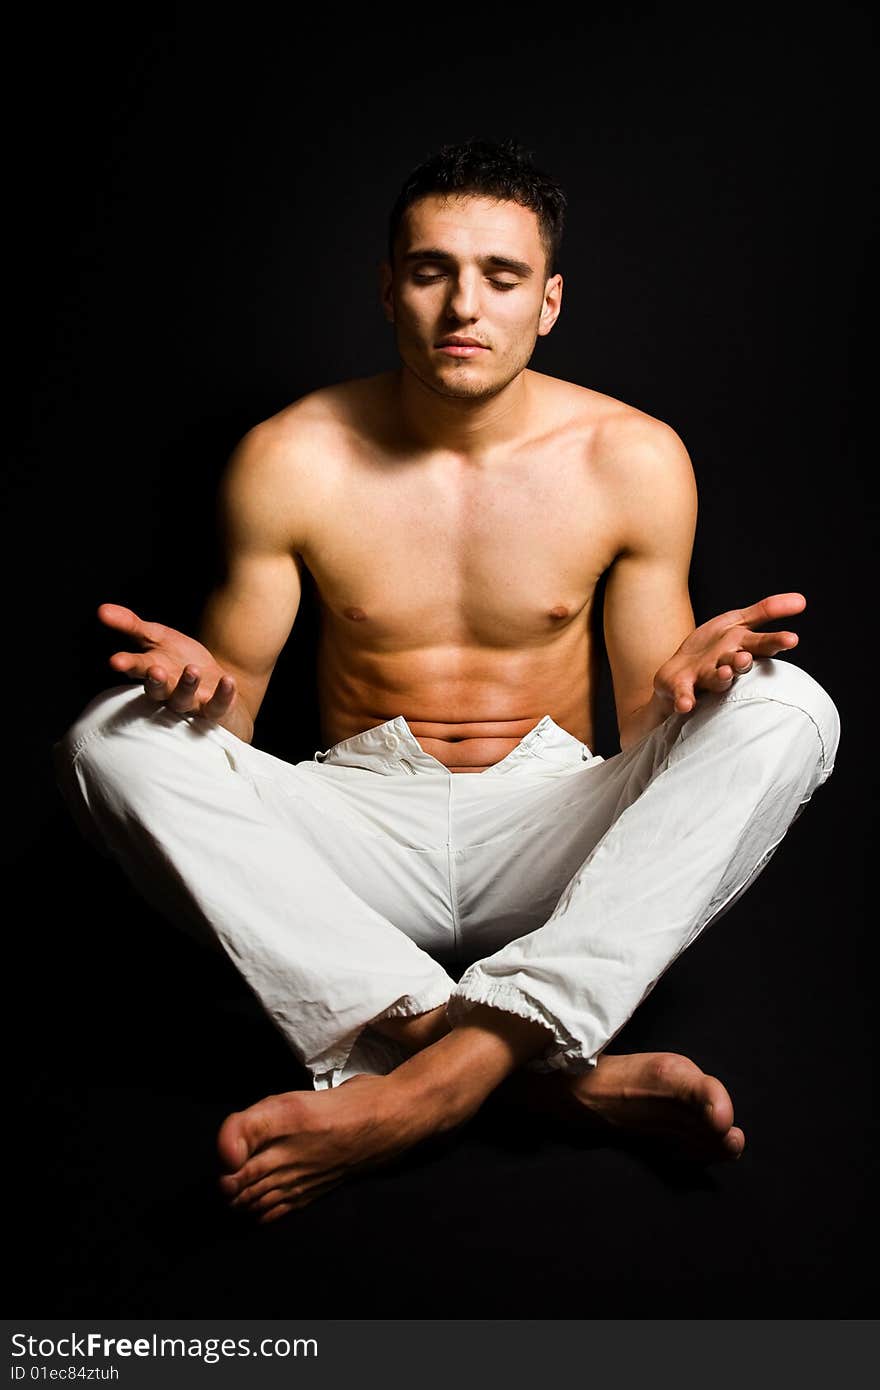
[(416, 1032), (451, 1078)]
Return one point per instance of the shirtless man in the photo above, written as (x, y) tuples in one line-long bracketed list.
[(456, 515)]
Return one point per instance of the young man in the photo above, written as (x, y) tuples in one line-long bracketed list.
[(456, 515)]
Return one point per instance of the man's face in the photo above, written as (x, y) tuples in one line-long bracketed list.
[(451, 279)]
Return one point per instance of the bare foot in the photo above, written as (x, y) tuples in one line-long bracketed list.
[(660, 1095), (287, 1150)]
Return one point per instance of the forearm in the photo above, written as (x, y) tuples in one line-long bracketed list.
[(239, 718), (642, 720)]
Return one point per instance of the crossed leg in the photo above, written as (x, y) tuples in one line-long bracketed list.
[(719, 797), (141, 776), (657, 1094), (287, 1150)]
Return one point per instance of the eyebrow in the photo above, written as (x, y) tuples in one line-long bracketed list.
[(433, 253)]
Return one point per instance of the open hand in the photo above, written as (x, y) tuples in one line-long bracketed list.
[(723, 648), (176, 670)]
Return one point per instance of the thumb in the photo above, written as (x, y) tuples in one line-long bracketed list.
[(672, 683), (683, 697), (122, 619), (125, 620)]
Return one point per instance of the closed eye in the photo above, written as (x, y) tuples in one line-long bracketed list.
[(499, 284)]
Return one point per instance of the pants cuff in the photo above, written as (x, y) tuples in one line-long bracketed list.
[(565, 1053), (368, 1052)]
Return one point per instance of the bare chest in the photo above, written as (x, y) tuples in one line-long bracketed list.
[(415, 554)]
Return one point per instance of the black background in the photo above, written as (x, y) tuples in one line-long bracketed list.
[(198, 209)]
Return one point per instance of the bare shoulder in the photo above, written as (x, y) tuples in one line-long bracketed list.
[(639, 463), (620, 437), (285, 466), (639, 448), (310, 432), (631, 448)]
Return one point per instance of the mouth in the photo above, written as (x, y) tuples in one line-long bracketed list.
[(461, 348)]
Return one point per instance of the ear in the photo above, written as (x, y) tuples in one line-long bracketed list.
[(552, 305)]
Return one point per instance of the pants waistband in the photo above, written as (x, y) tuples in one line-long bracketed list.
[(393, 748)]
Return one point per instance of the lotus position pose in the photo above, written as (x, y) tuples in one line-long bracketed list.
[(456, 515)]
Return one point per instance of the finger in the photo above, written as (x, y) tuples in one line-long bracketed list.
[(183, 696), (221, 700), (719, 680), (134, 665), (738, 662), (768, 643), (677, 686), (769, 609), (683, 696), (157, 684), (720, 625), (130, 664), (126, 620)]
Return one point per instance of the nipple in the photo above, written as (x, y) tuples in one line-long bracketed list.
[(560, 611), (357, 615)]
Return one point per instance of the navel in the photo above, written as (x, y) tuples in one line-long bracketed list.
[(560, 611), (357, 615)]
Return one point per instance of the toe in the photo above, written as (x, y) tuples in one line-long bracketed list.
[(734, 1142), (231, 1142), (262, 1165), (260, 1187), (247, 1131), (717, 1105), (279, 1192), (702, 1100), (293, 1197), (281, 1210)]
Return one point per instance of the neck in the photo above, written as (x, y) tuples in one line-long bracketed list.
[(469, 426)]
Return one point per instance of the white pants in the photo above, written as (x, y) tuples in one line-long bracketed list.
[(340, 885)]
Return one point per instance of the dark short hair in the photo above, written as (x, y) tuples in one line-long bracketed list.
[(502, 170)]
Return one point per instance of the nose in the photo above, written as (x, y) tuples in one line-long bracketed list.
[(463, 303)]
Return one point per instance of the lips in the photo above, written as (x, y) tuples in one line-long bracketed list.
[(460, 342), (461, 349)]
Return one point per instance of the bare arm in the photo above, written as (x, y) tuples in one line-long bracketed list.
[(648, 611), (223, 676), (659, 660), (248, 617)]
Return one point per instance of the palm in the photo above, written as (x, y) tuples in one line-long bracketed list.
[(176, 669), (159, 645), (719, 650)]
